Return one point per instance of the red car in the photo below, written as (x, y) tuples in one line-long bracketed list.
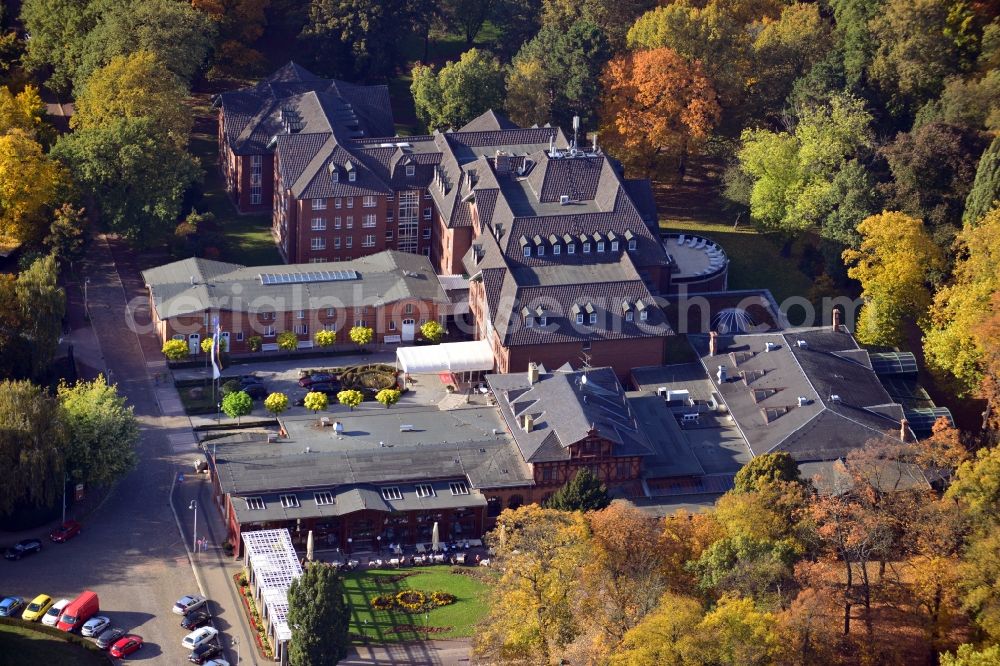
[(65, 532), (315, 378), (126, 646)]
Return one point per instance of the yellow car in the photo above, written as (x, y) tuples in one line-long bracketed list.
[(37, 608)]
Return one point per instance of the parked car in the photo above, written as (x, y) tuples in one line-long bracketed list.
[(126, 646), (255, 391), (195, 619), (199, 637), (109, 637), (11, 606), (38, 607), (314, 378), (95, 626), (65, 532), (51, 616), (330, 388), (204, 652), (22, 548), (250, 379), (217, 662), (188, 603), (81, 609)]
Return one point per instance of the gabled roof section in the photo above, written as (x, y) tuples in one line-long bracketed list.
[(566, 407), (489, 120)]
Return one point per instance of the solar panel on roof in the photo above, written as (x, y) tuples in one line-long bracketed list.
[(311, 276), (894, 363)]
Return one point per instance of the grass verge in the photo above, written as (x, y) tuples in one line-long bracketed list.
[(35, 647), (456, 620)]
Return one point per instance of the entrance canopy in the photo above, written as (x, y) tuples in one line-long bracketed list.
[(447, 357)]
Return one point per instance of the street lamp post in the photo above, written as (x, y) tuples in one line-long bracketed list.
[(86, 307), (218, 412), (64, 496), (236, 644), (194, 538)]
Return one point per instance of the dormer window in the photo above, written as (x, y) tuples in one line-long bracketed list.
[(629, 316), (527, 250), (631, 244), (614, 246), (579, 318), (593, 318), (557, 250), (571, 248), (586, 248), (543, 321), (526, 315), (352, 176), (335, 175), (643, 310), (411, 170), (644, 315), (600, 246), (541, 250)]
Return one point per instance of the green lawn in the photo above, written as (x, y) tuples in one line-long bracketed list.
[(458, 619), (32, 647)]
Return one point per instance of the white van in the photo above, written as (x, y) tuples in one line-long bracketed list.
[(52, 616)]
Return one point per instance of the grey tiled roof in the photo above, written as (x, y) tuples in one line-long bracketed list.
[(567, 406), (489, 120), (197, 285), (765, 405)]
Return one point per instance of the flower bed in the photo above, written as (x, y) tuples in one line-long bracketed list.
[(412, 601), (253, 617)]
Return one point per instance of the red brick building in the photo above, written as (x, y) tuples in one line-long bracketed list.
[(391, 292)]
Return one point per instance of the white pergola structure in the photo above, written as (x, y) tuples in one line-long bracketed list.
[(272, 565), (454, 357)]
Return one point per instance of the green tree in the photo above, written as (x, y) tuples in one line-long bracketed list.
[(933, 168), (254, 342), (388, 397), (31, 441), (793, 173), (67, 239), (288, 341), (237, 405), (276, 403), (766, 468), (460, 91), (736, 633), (893, 264), (175, 350), (969, 102), (24, 111), (757, 568), (664, 636), (354, 38), (178, 35), (316, 402), (855, 41), (43, 304), (324, 338), (968, 655), (58, 30), (30, 187), (136, 85), (467, 16), (318, 617), (584, 492), (985, 192), (102, 432), (351, 398), (557, 75), (612, 17), (361, 335), (133, 173), (432, 331)]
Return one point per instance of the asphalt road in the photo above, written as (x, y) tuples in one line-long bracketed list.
[(130, 551)]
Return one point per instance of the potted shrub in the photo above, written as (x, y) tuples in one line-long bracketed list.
[(254, 342)]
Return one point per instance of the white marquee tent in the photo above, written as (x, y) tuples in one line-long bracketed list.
[(448, 357)]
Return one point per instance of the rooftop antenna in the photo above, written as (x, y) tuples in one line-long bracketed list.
[(552, 146), (576, 128)]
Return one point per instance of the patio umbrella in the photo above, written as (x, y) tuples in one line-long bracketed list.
[(435, 538), (309, 546)]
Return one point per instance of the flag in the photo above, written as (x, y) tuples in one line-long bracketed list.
[(216, 360)]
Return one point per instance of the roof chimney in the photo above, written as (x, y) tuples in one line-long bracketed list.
[(532, 373), (836, 320), (713, 343), (904, 430), (529, 423), (722, 374)]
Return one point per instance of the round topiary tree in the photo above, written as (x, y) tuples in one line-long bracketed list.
[(432, 331), (175, 350), (254, 343), (237, 405), (388, 397), (351, 398), (316, 402), (361, 335), (206, 345), (232, 386), (276, 403), (325, 338), (288, 341)]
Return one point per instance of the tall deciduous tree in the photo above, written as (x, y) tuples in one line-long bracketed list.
[(102, 432), (240, 24), (656, 105), (355, 38), (665, 636), (318, 618), (460, 91), (23, 111), (954, 346), (765, 468), (31, 440), (67, 238), (43, 304), (855, 40), (133, 172), (557, 75), (538, 552), (468, 16), (985, 192), (613, 18), (584, 492), (134, 86), (58, 30), (893, 265), (31, 184), (737, 633)]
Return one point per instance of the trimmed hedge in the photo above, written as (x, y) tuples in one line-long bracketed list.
[(257, 357), (62, 635), (232, 426)]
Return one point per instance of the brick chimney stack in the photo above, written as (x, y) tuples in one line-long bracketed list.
[(904, 430), (713, 343), (836, 320)]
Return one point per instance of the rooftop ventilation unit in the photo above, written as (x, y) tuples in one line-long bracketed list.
[(722, 374), (406, 427), (769, 346), (803, 401), (563, 199)]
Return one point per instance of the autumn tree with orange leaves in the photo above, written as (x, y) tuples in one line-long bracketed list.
[(657, 108)]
